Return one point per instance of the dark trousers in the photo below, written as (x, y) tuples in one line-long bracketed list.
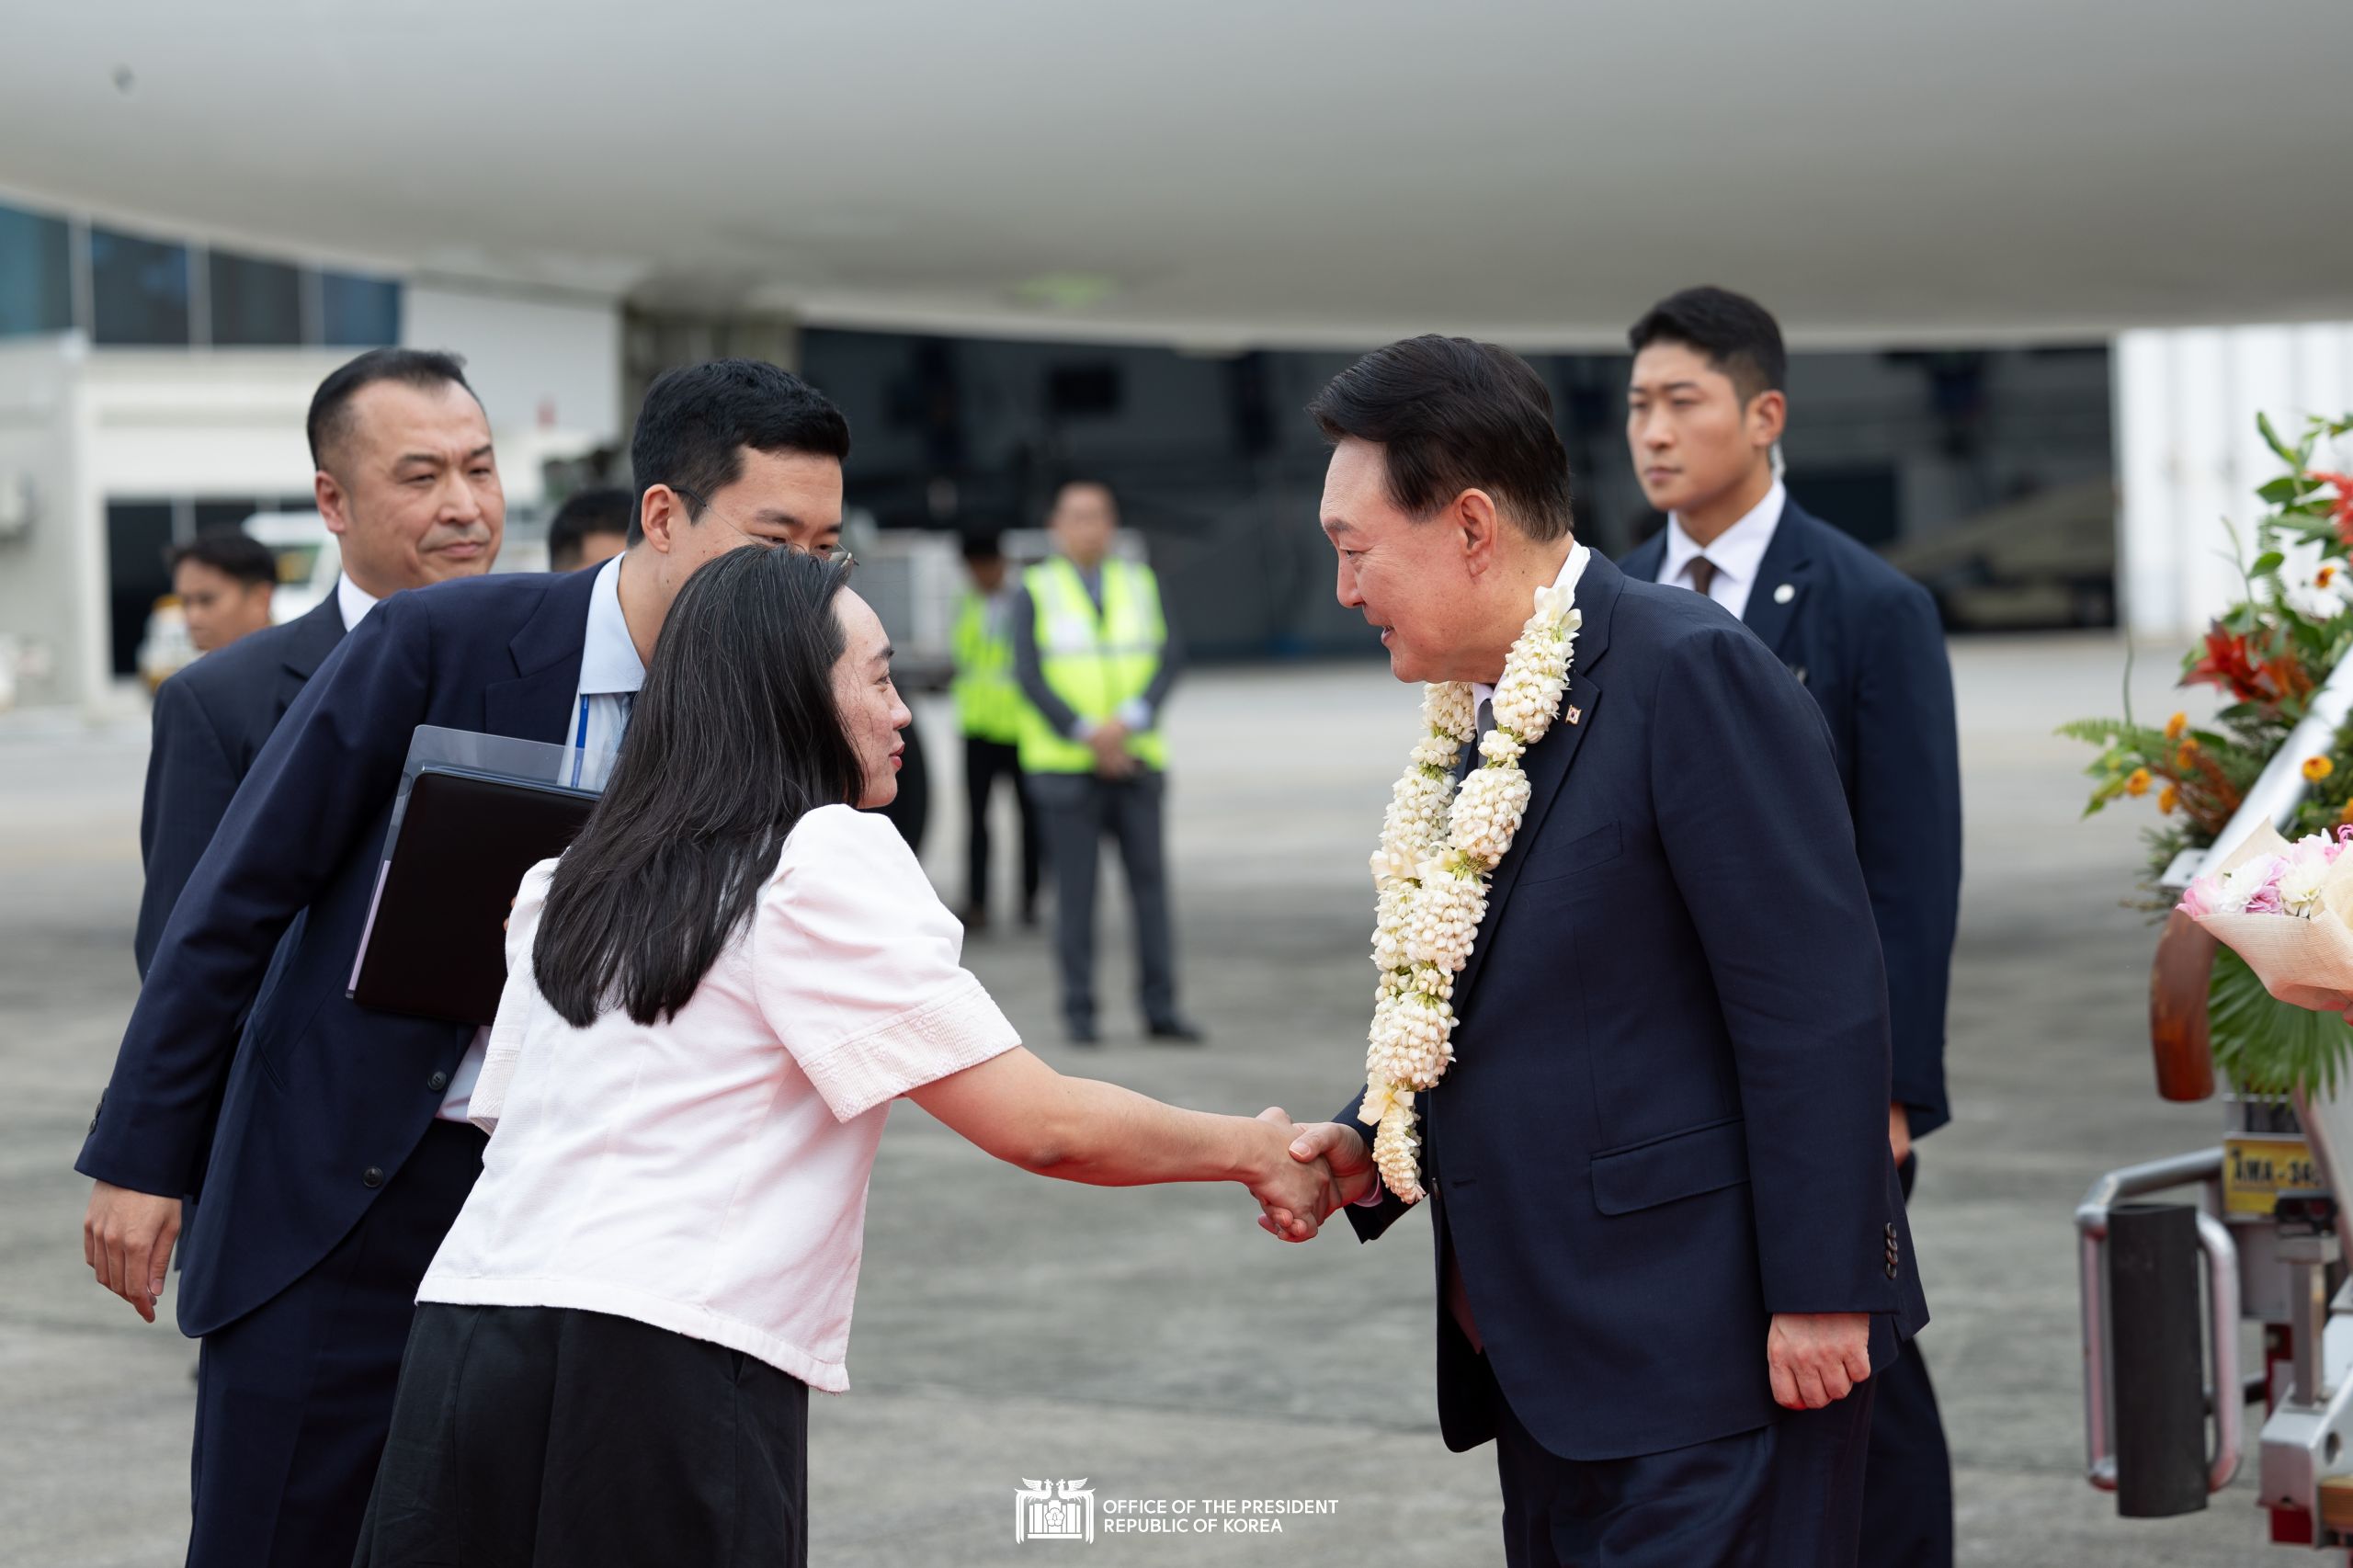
[(1786, 1495), (1907, 1487), (550, 1436), (985, 762), (293, 1399), (1076, 812)]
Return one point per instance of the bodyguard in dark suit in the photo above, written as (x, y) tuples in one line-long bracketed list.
[(340, 1158), (208, 724), (1670, 1242), (373, 425), (1706, 407)]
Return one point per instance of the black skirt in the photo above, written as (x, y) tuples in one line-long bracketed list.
[(539, 1437)]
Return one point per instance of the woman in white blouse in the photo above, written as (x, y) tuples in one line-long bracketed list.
[(713, 999)]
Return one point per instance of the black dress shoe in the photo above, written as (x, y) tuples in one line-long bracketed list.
[(1082, 1034), (1177, 1031)]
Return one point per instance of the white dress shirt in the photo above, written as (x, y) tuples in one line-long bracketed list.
[(353, 601), (1738, 552), (707, 1172), (610, 677)]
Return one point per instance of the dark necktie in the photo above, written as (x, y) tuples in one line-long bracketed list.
[(1471, 759), (1703, 573)]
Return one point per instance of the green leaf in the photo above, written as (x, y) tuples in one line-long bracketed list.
[(2286, 488), (2269, 561), (2264, 1045), (2271, 439)]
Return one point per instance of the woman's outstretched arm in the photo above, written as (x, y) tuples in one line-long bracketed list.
[(1015, 1107)]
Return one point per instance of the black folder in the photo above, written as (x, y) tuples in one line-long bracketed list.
[(435, 944)]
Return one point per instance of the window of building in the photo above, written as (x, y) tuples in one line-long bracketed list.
[(36, 273), (139, 290), (255, 303), (358, 313)]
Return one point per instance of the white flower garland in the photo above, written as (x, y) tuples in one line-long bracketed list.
[(1439, 846)]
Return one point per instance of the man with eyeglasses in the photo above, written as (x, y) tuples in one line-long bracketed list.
[(343, 1153)]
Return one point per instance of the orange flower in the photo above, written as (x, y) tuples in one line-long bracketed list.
[(2346, 816), (2318, 767), (2186, 758), (2176, 726), (2137, 785), (2327, 575), (2167, 799)]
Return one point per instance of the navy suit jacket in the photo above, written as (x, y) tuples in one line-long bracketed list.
[(1866, 642), (211, 721), (1668, 1118), (321, 1099)]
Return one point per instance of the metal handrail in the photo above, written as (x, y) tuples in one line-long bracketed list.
[(2204, 1166)]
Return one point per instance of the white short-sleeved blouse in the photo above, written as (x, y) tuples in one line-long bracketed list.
[(707, 1173)]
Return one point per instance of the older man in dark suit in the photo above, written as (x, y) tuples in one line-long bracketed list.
[(1706, 406), (342, 1153), (1670, 1242), (405, 479)]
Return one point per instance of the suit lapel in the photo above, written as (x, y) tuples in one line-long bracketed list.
[(315, 635), (1783, 579), (537, 704), (1548, 761), (1642, 561)]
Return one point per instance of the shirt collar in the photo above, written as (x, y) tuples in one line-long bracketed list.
[(1572, 568), (352, 600), (609, 660), (1738, 552)]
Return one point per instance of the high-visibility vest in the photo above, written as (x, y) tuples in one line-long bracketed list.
[(1095, 663), (988, 697)]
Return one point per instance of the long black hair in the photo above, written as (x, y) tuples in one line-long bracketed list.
[(734, 737)]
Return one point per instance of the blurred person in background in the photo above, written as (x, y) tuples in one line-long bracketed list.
[(224, 580), (988, 709), (590, 528), (342, 1150), (405, 478), (1095, 657), (715, 999), (1705, 408)]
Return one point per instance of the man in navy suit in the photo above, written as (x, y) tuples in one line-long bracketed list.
[(1706, 407), (406, 481), (1670, 1243), (342, 1154)]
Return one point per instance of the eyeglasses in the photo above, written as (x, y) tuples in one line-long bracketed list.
[(701, 504)]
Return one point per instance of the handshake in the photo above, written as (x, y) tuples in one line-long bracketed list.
[(1305, 1173)]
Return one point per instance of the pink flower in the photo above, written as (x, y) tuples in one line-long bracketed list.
[(2198, 899)]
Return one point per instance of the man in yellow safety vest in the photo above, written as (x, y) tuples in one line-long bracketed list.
[(988, 709), (1095, 657)]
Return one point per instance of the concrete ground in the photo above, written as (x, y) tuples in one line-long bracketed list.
[(1153, 1344)]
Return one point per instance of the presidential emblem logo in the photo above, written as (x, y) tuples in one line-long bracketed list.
[(1053, 1510)]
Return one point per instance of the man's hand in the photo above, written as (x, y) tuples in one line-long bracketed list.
[(1110, 742), (1294, 1193), (1898, 1132), (1817, 1358), (1342, 1152), (126, 1239)]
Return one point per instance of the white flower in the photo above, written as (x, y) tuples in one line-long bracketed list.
[(1439, 844), (1448, 709), (2300, 883), (2243, 883)]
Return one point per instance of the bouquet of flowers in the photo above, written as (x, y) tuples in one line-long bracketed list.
[(2287, 909), (2265, 656)]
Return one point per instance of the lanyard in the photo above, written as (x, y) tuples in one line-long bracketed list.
[(580, 742)]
